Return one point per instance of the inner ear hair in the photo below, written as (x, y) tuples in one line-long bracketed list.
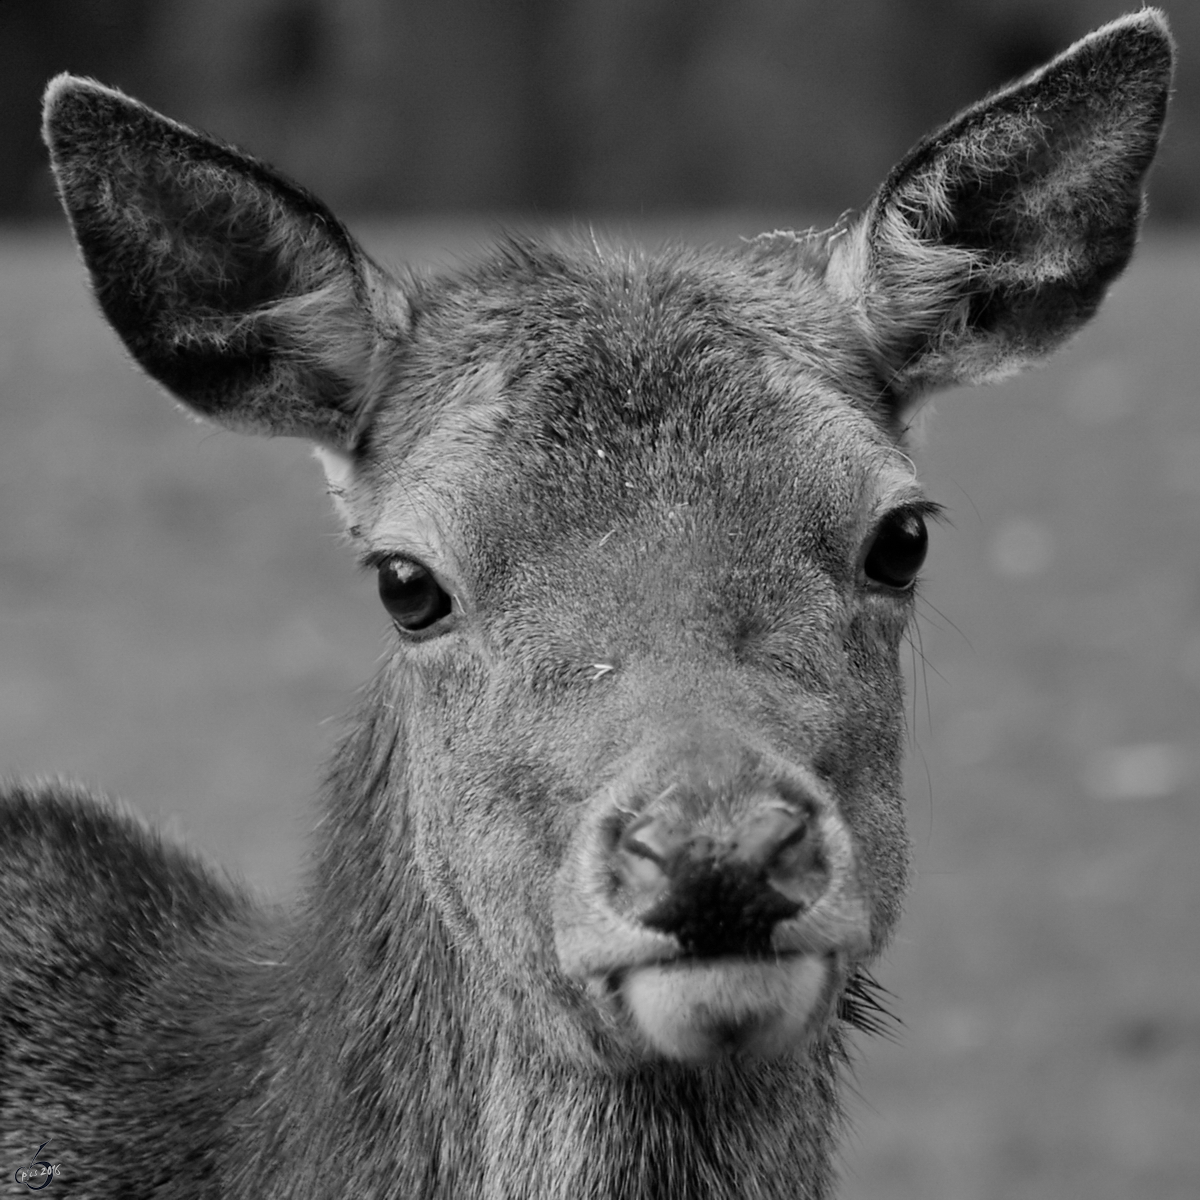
[(230, 284), (996, 237)]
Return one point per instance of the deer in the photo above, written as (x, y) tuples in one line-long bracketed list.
[(616, 837)]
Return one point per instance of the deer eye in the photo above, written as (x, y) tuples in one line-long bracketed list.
[(896, 553), (413, 597)]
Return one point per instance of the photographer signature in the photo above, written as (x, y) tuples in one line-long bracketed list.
[(38, 1169)]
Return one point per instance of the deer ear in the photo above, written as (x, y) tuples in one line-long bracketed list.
[(231, 285), (997, 236)]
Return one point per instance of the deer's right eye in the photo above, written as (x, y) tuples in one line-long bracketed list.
[(412, 595)]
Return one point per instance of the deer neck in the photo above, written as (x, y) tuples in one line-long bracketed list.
[(730, 1132)]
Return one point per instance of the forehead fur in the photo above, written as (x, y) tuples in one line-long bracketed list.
[(583, 322), (615, 379)]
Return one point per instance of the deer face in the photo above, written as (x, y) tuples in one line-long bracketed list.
[(649, 568)]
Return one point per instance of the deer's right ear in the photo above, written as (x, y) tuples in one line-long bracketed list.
[(231, 285), (997, 236)]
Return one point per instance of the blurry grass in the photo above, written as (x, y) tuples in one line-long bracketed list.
[(179, 624)]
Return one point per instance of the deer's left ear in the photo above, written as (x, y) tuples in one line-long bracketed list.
[(230, 284), (997, 236)]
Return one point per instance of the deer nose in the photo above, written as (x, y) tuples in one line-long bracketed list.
[(722, 896)]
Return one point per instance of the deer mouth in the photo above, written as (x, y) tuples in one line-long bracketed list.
[(721, 985), (697, 1010)]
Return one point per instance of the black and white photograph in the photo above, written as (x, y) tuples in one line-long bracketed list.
[(600, 599)]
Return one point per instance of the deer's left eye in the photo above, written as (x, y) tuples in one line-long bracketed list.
[(412, 595), (897, 550)]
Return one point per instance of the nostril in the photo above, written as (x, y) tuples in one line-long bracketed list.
[(641, 844), (768, 834), (644, 855), (793, 857), (654, 838)]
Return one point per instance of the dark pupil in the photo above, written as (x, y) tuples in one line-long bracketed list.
[(411, 594), (898, 552)]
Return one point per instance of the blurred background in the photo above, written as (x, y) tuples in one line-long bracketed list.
[(180, 624), (554, 106)]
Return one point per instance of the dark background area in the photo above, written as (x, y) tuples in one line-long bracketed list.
[(557, 106)]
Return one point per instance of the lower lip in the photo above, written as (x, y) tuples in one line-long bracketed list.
[(700, 1010)]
